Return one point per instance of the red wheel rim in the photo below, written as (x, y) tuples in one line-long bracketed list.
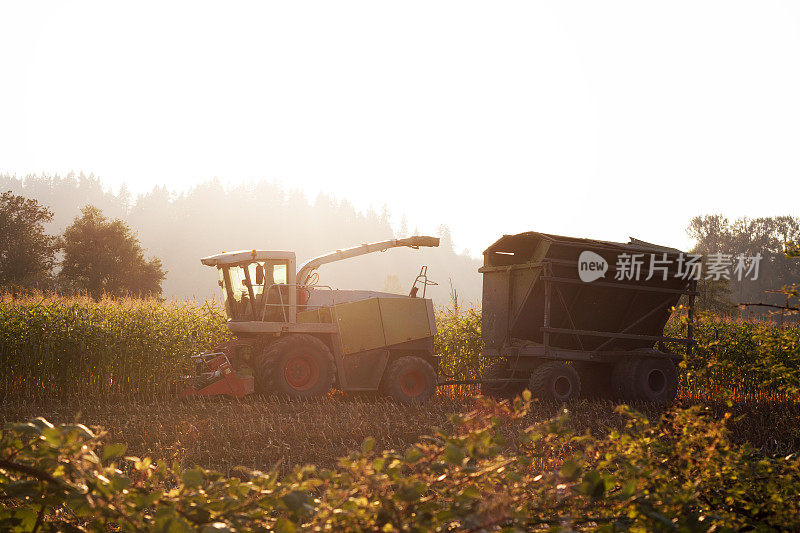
[(412, 383), (301, 372)]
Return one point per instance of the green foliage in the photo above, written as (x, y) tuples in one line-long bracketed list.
[(104, 257), (680, 474), (740, 359), (123, 348), (458, 341), (714, 296), (27, 254)]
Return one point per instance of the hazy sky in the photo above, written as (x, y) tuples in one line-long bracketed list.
[(590, 119)]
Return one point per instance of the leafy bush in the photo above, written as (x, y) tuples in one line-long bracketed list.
[(679, 474)]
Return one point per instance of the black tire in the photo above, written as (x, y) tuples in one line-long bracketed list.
[(556, 381), (595, 379), (409, 379), (499, 390), (655, 379), (297, 366), (622, 378)]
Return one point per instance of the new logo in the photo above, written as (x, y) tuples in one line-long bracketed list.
[(591, 266)]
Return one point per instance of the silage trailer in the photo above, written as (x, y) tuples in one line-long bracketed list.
[(546, 329)]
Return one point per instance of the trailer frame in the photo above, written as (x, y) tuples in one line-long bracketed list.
[(544, 320)]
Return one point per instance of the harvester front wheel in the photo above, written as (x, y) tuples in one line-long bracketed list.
[(297, 366), (556, 381), (409, 379)]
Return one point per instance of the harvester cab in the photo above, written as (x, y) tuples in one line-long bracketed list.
[(255, 284), (297, 338)]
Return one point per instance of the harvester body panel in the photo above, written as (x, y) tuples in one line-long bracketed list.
[(377, 322), (368, 330)]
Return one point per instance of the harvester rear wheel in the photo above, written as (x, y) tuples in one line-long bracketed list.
[(409, 379), (298, 366), (498, 389), (556, 381)]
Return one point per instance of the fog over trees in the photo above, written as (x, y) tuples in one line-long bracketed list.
[(180, 228), (766, 236)]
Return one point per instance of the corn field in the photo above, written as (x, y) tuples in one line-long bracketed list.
[(55, 348), (738, 360)]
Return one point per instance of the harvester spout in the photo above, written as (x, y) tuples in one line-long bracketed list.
[(312, 264)]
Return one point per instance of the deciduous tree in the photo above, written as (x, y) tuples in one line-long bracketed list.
[(27, 253), (103, 256)]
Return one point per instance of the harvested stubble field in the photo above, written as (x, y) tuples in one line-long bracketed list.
[(261, 433)]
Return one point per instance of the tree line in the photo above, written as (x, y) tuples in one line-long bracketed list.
[(181, 227), (772, 237), (95, 255)]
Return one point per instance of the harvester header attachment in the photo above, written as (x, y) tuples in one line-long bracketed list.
[(217, 376)]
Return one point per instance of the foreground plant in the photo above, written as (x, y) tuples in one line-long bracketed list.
[(680, 474)]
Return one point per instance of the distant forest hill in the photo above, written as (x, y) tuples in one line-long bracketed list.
[(180, 228)]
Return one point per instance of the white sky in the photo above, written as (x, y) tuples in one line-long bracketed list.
[(589, 119)]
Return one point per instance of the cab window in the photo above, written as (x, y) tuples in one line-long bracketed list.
[(279, 274), (262, 275)]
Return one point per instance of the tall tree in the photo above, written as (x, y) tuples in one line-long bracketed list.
[(27, 254), (103, 256), (403, 231)]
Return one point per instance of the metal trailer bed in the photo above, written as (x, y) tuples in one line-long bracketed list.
[(607, 334)]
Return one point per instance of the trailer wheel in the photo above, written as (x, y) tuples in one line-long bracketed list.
[(595, 378), (297, 366), (499, 390), (555, 380), (655, 379), (409, 379)]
